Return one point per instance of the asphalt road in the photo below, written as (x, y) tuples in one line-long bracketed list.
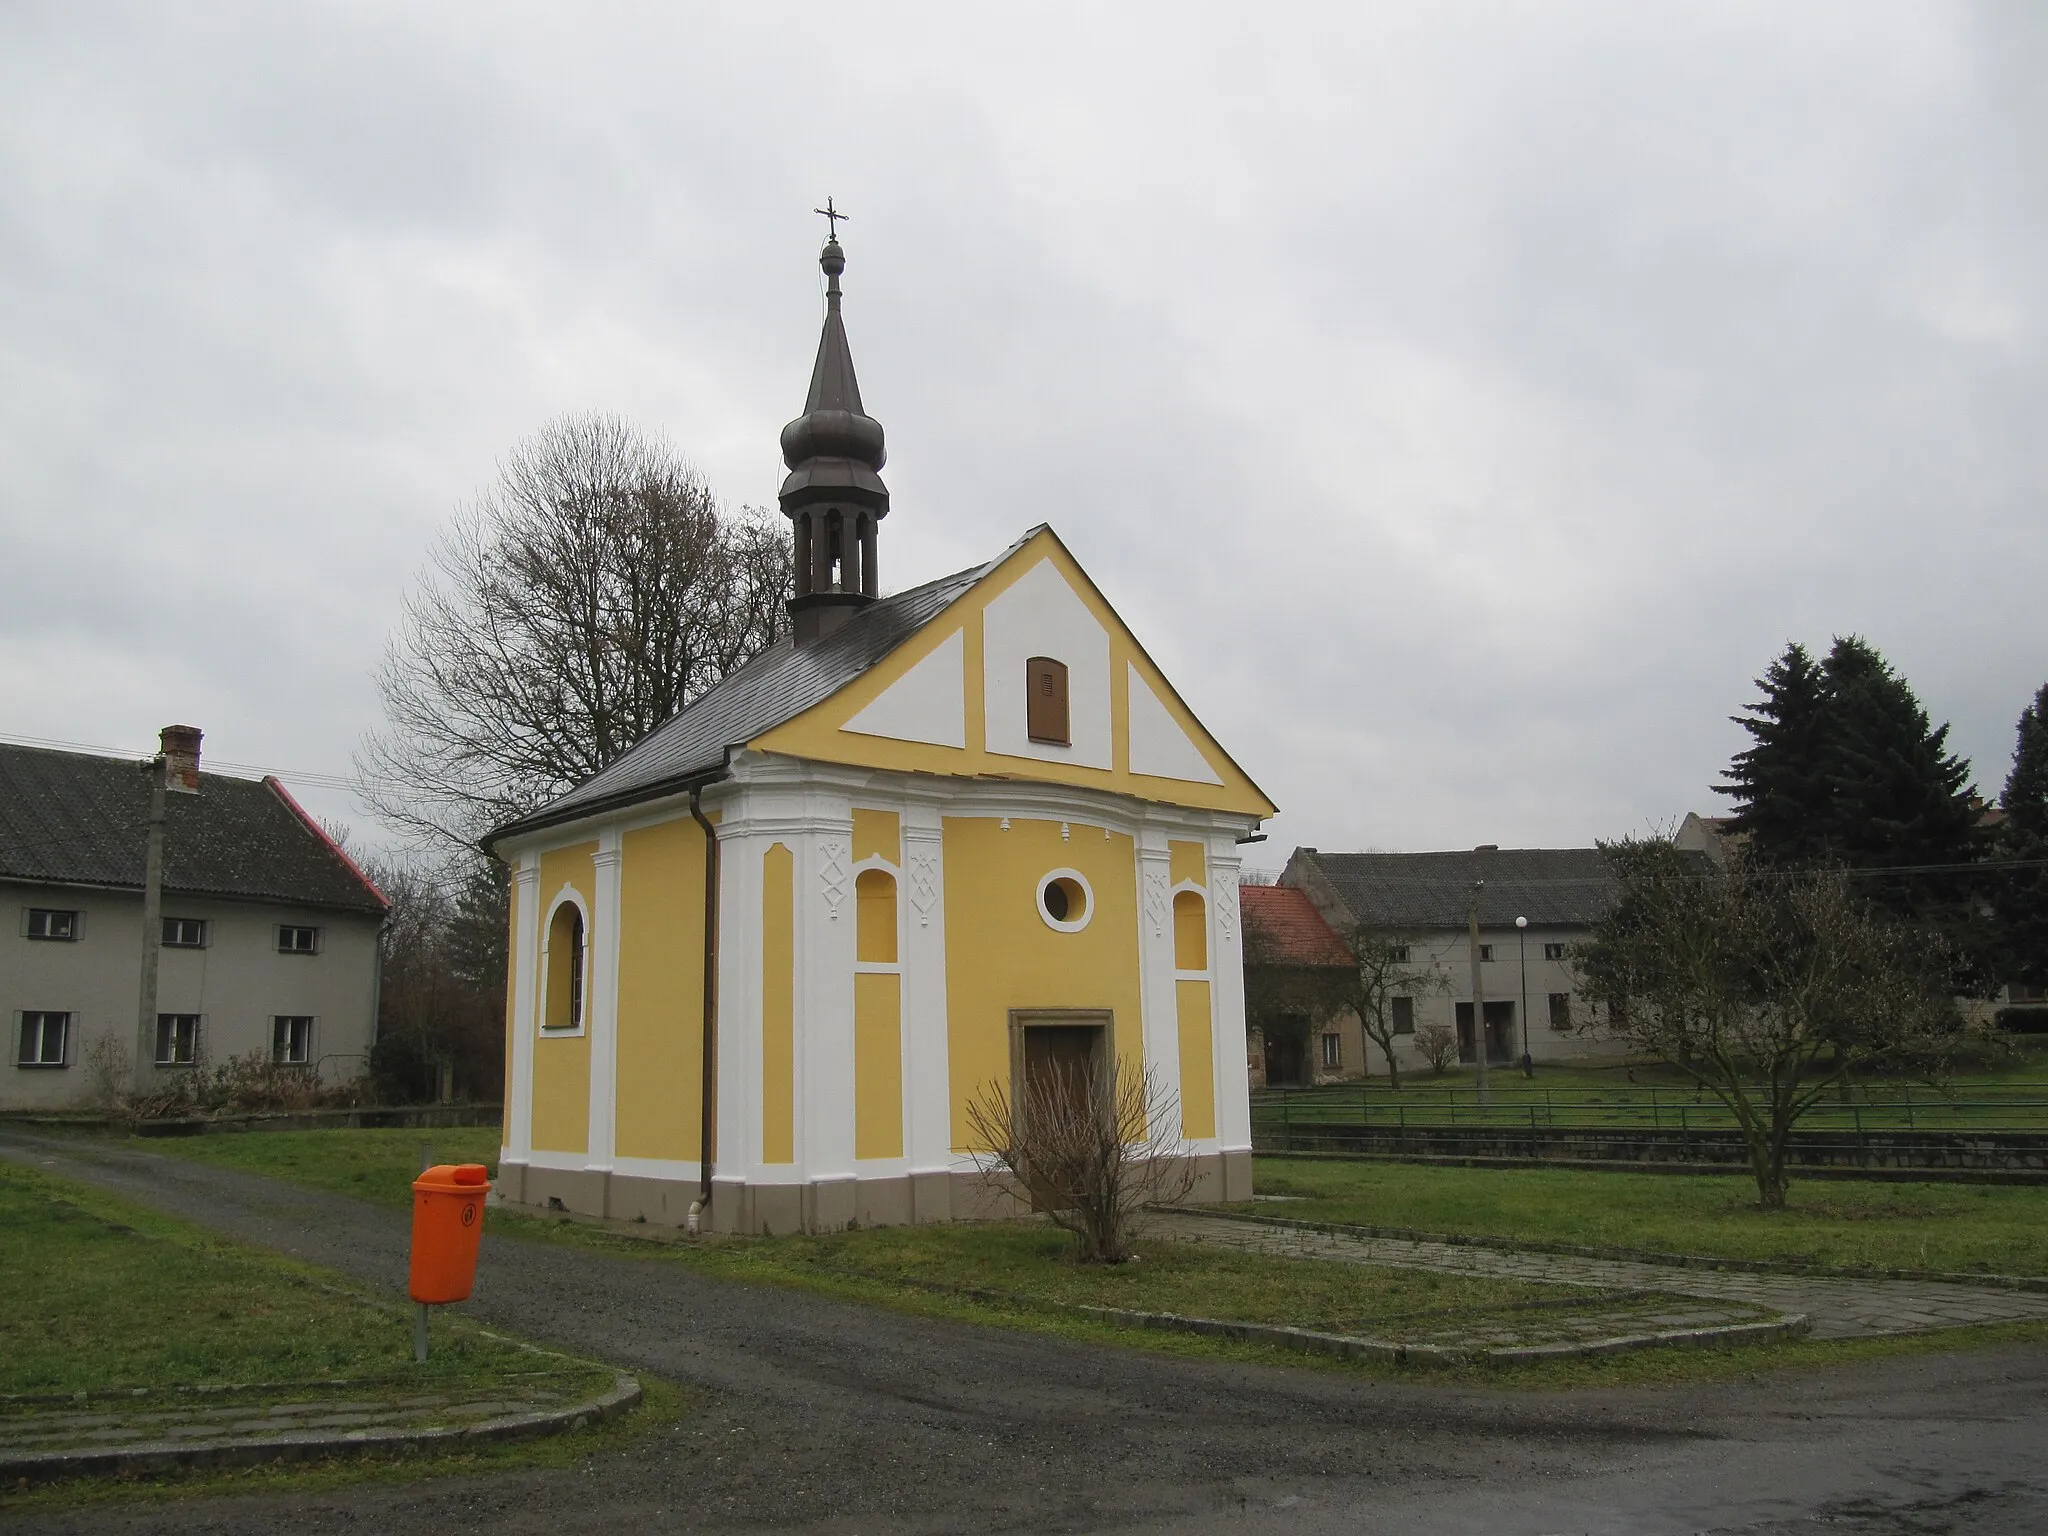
[(818, 1416)]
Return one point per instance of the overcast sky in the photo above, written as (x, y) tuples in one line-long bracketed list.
[(1463, 403)]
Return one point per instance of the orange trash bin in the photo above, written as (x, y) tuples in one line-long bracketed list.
[(447, 1223)]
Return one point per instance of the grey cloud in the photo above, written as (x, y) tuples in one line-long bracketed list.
[(1463, 402)]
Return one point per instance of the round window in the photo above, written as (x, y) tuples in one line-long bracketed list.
[(1064, 900)]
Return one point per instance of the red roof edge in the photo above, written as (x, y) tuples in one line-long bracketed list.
[(1298, 931), (320, 832)]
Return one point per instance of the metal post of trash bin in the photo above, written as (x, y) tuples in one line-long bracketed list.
[(419, 1334)]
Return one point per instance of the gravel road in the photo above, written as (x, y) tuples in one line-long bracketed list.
[(819, 1416)]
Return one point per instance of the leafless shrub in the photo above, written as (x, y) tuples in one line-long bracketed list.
[(1092, 1160), (248, 1084), (108, 1072), (1438, 1044)]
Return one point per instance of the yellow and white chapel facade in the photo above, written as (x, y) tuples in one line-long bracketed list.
[(901, 856)]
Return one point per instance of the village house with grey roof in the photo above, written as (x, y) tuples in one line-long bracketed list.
[(1425, 898), (268, 930)]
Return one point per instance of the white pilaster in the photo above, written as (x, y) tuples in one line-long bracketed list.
[(1226, 995), (1161, 1022), (826, 923), (525, 967), (602, 1011), (927, 1079)]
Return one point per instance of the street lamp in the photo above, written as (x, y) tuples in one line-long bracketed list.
[(1522, 932)]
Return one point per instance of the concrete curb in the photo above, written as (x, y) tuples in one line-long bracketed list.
[(1307, 1341), (168, 1456), (2036, 1283)]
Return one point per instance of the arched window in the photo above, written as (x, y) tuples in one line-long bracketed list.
[(874, 902), (1190, 932), (1045, 702), (565, 969)]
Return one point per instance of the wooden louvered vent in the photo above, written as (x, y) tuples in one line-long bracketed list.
[(1045, 707)]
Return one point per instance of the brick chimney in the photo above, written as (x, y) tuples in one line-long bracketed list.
[(181, 756)]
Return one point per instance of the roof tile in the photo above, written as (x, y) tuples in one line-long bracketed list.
[(78, 819)]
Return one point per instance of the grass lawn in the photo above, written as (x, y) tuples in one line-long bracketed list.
[(1030, 1260), (1026, 1259), (2012, 1095), (374, 1165), (1996, 1228), (1985, 1228), (103, 1295)]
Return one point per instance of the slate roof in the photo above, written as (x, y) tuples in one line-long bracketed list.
[(1552, 887), (1292, 926), (776, 686), (72, 818)]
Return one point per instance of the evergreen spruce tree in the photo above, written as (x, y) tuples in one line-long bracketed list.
[(1847, 770), (1896, 794), (1899, 800), (2021, 895), (1780, 784)]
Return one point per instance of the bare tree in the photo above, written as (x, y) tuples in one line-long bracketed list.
[(1279, 988), (441, 999), (1091, 1159), (1765, 987), (593, 591), (1438, 1044), (1382, 969)]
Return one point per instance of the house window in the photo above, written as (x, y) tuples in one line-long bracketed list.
[(185, 932), (1553, 951), (1486, 952), (565, 969), (177, 1039), (52, 923), (1398, 953), (44, 1038), (1560, 1010), (2020, 992), (293, 940), (1404, 1014), (1045, 702), (291, 1038), (1333, 1050)]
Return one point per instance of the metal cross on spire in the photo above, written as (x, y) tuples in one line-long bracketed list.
[(832, 216)]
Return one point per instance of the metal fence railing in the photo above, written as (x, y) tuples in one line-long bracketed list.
[(1900, 1107)]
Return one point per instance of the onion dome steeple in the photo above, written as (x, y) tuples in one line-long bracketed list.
[(834, 496)]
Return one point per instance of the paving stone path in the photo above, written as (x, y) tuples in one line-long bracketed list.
[(123, 1433), (1840, 1309), (178, 1420)]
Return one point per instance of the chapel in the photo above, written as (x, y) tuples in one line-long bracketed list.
[(930, 841)]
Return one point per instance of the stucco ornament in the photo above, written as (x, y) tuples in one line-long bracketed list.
[(1224, 897), (924, 887), (832, 875), (1157, 901)]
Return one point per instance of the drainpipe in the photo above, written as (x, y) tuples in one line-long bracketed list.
[(701, 1207)]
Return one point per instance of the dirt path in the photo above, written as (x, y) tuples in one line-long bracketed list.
[(822, 1416)]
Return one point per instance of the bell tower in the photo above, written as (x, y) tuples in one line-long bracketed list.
[(833, 496)]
